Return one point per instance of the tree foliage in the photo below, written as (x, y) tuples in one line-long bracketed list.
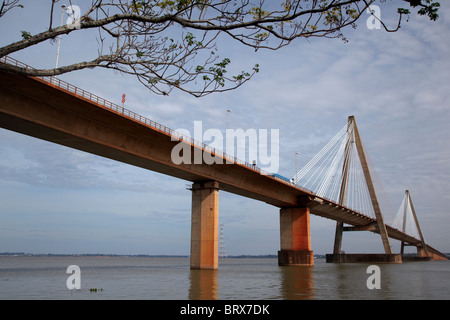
[(171, 44)]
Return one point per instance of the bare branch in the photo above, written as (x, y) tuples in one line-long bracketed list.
[(8, 5)]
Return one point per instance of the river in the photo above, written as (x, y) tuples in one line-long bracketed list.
[(170, 278)]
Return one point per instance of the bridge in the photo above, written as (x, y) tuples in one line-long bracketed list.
[(53, 110)]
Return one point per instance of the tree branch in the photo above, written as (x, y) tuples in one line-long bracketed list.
[(137, 33)]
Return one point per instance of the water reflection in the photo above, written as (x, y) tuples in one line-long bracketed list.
[(297, 282), (288, 283), (203, 285)]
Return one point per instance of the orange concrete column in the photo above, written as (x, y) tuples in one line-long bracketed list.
[(205, 225), (295, 237)]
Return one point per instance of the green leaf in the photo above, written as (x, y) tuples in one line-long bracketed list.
[(403, 11), (26, 35)]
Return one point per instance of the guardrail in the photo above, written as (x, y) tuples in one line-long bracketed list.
[(61, 84)]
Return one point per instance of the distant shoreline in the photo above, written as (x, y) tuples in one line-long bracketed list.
[(20, 254), (271, 256)]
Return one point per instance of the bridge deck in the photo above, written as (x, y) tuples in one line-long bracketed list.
[(61, 113)]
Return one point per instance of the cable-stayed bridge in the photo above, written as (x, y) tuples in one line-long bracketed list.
[(342, 173), (53, 110)]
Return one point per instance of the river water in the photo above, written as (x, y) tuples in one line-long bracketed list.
[(113, 277)]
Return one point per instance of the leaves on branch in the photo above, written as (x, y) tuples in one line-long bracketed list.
[(171, 44)]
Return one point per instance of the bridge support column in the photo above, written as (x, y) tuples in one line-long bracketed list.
[(205, 225), (295, 237)]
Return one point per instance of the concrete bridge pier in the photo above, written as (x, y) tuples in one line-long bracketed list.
[(295, 237), (205, 225)]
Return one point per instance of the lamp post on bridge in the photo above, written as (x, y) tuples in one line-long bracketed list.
[(63, 7), (228, 120)]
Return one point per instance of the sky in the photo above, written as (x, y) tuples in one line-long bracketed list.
[(58, 200)]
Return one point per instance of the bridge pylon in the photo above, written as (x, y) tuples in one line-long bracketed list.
[(295, 237), (353, 138), (422, 250), (205, 225)]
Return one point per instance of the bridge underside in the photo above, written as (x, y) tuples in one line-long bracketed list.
[(36, 108)]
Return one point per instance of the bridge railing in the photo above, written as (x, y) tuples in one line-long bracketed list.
[(61, 84)]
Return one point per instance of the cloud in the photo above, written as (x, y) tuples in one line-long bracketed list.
[(395, 84)]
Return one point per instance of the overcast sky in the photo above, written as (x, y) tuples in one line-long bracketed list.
[(57, 200)]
